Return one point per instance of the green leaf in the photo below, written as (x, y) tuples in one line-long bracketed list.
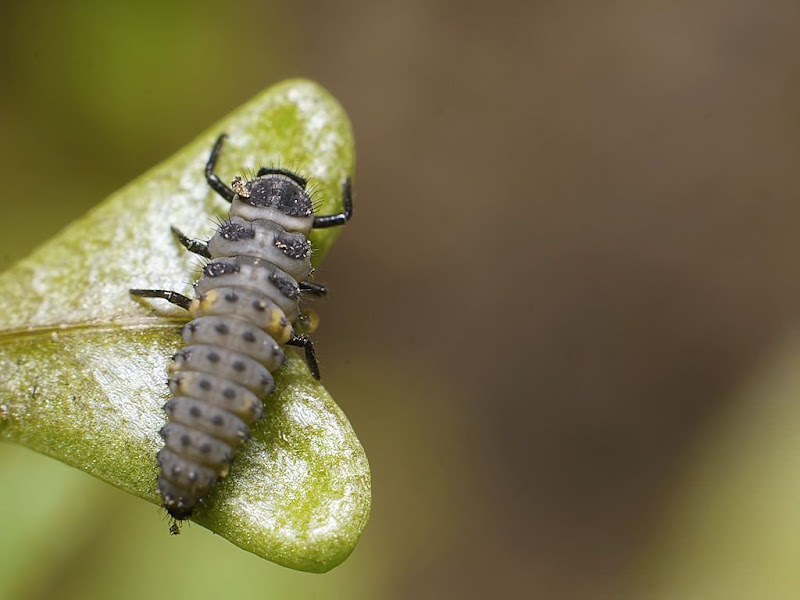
[(84, 364)]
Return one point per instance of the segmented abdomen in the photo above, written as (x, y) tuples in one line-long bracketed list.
[(247, 300)]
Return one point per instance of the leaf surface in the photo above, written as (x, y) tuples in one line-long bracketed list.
[(84, 364)]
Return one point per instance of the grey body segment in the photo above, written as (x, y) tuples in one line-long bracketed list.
[(247, 304), (218, 422), (269, 241), (254, 274), (177, 500), (230, 365), (197, 446), (237, 335), (218, 392), (184, 473), (289, 223)]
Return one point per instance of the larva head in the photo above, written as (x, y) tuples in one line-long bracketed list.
[(274, 195)]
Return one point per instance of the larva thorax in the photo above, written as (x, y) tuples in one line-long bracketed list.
[(275, 197), (246, 301)]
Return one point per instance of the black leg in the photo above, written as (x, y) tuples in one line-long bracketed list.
[(313, 288), (303, 341), (173, 297), (214, 181), (195, 246), (342, 217)]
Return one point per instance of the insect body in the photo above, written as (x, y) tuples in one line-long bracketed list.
[(245, 310)]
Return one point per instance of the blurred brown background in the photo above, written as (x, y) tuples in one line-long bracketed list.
[(575, 238)]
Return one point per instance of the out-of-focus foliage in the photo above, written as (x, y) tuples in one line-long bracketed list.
[(733, 529)]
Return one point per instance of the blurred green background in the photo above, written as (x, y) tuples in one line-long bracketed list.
[(573, 258)]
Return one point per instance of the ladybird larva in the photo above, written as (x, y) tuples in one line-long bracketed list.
[(246, 308)]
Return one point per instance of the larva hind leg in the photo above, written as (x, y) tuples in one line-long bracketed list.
[(304, 342)]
